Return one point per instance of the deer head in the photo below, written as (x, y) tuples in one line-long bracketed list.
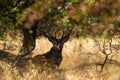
[(58, 42), (55, 54)]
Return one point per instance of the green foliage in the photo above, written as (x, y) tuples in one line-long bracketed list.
[(9, 12), (91, 17), (75, 1), (91, 1), (30, 31)]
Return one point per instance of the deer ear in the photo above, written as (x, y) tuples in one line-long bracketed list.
[(51, 40), (65, 39)]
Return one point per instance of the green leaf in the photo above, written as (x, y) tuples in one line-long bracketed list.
[(50, 10), (91, 1), (30, 31), (75, 1), (70, 25), (63, 12)]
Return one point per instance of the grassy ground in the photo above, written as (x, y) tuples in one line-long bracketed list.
[(80, 59)]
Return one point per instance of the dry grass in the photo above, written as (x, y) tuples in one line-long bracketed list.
[(80, 57)]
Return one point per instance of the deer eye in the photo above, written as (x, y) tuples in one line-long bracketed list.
[(55, 42)]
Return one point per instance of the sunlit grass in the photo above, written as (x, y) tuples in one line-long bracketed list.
[(80, 59)]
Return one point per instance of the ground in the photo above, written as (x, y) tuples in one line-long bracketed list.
[(81, 59)]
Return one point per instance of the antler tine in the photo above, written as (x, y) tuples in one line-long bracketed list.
[(63, 34), (50, 35), (47, 34), (44, 33), (56, 33), (69, 33)]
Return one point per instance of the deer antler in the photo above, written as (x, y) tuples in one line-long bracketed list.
[(47, 34), (65, 31), (68, 34), (64, 38)]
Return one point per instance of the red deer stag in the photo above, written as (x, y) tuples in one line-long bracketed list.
[(54, 56)]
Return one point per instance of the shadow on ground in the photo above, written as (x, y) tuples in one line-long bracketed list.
[(37, 69), (6, 56)]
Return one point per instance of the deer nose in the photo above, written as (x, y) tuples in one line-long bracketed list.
[(57, 46)]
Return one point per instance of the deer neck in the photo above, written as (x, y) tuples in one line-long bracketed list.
[(54, 53)]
